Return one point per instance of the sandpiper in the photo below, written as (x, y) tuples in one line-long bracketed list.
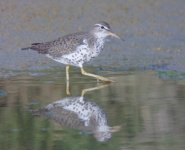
[(77, 48)]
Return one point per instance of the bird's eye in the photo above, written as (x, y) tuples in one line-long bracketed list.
[(102, 27)]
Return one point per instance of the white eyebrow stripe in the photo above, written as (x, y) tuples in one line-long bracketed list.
[(98, 24), (102, 25)]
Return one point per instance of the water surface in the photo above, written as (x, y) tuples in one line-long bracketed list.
[(143, 111)]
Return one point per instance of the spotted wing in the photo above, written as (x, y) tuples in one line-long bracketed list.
[(66, 44), (61, 46)]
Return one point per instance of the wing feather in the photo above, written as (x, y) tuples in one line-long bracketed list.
[(66, 44), (61, 46)]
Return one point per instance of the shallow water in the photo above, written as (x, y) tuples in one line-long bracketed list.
[(138, 111)]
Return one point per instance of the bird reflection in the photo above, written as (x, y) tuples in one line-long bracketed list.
[(80, 113)]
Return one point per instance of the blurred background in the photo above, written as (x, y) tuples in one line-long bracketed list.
[(154, 31)]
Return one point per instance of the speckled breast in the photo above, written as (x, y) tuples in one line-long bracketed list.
[(83, 54)]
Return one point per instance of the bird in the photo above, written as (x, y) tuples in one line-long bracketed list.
[(77, 48), (80, 113)]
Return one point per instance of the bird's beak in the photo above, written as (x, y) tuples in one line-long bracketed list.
[(113, 34)]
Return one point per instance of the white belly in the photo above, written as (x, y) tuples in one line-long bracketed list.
[(77, 58)]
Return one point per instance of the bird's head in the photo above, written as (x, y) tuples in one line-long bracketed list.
[(103, 30)]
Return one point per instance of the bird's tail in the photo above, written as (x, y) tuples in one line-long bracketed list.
[(41, 48), (33, 46)]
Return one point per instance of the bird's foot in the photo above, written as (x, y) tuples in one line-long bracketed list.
[(104, 80)]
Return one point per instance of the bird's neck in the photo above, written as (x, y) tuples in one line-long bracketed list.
[(95, 42), (99, 43)]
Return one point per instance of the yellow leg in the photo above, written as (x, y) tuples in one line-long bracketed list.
[(67, 73), (67, 80), (103, 79)]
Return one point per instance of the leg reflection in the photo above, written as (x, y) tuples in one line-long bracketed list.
[(67, 87), (84, 91)]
